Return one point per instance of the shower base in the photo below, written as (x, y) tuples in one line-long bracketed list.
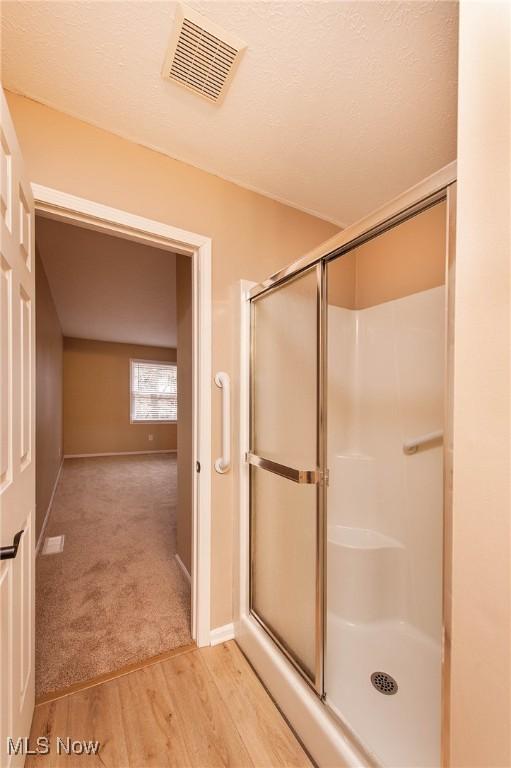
[(401, 730)]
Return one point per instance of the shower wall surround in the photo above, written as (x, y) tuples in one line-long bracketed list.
[(385, 386)]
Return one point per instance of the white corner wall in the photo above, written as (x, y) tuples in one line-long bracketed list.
[(386, 380), (481, 601)]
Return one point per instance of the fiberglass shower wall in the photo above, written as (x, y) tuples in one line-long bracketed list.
[(385, 381)]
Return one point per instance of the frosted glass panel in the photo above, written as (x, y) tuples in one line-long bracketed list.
[(284, 561), (285, 367), (284, 430)]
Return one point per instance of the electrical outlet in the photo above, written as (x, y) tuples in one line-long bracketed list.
[(150, 438)]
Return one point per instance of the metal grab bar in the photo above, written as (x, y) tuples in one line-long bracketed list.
[(223, 381), (301, 476), (412, 446)]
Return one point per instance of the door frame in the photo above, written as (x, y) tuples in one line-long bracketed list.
[(61, 206)]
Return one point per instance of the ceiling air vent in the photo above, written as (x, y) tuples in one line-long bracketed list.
[(201, 56)]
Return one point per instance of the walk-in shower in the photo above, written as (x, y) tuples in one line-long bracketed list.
[(346, 446)]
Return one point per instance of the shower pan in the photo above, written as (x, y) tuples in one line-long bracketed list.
[(345, 512)]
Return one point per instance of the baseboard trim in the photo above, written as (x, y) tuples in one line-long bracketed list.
[(116, 453), (183, 568), (221, 634), (47, 515)]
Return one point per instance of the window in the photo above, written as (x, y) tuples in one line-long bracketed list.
[(153, 391)]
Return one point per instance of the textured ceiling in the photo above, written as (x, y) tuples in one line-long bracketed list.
[(336, 106), (107, 288)]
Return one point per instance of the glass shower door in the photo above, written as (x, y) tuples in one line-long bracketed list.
[(286, 469)]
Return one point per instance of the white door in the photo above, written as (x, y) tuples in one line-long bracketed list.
[(17, 444)]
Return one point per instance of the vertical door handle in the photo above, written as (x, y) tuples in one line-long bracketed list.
[(9, 553), (223, 381)]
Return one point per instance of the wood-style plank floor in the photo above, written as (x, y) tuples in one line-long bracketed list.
[(202, 708)]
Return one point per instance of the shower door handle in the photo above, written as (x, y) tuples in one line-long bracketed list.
[(300, 476)]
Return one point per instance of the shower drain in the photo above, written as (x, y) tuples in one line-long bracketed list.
[(384, 683)]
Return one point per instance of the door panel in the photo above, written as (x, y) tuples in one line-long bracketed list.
[(285, 388), (25, 374), (285, 472), (284, 553), (17, 470), (5, 374)]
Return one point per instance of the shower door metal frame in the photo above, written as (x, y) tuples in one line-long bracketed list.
[(441, 186), (317, 476)]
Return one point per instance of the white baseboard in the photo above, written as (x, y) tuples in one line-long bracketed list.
[(116, 453), (47, 515), (221, 634), (183, 568)]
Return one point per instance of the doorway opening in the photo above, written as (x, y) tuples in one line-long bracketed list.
[(118, 440)]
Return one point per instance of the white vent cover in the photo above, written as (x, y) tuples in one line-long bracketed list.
[(53, 545), (201, 56)]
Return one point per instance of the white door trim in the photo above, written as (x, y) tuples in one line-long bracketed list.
[(244, 476), (65, 207)]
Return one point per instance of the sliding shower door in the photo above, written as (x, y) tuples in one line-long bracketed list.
[(286, 469), (349, 517)]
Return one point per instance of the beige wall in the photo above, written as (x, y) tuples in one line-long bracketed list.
[(48, 394), (252, 237), (481, 600), (405, 260), (97, 399), (184, 409)]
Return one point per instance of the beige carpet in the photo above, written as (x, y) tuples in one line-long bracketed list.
[(116, 594)]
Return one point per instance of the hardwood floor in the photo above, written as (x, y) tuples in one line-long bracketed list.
[(202, 708)]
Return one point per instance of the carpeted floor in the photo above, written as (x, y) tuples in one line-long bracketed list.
[(115, 595)]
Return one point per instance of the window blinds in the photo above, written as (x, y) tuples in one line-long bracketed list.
[(153, 391)]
